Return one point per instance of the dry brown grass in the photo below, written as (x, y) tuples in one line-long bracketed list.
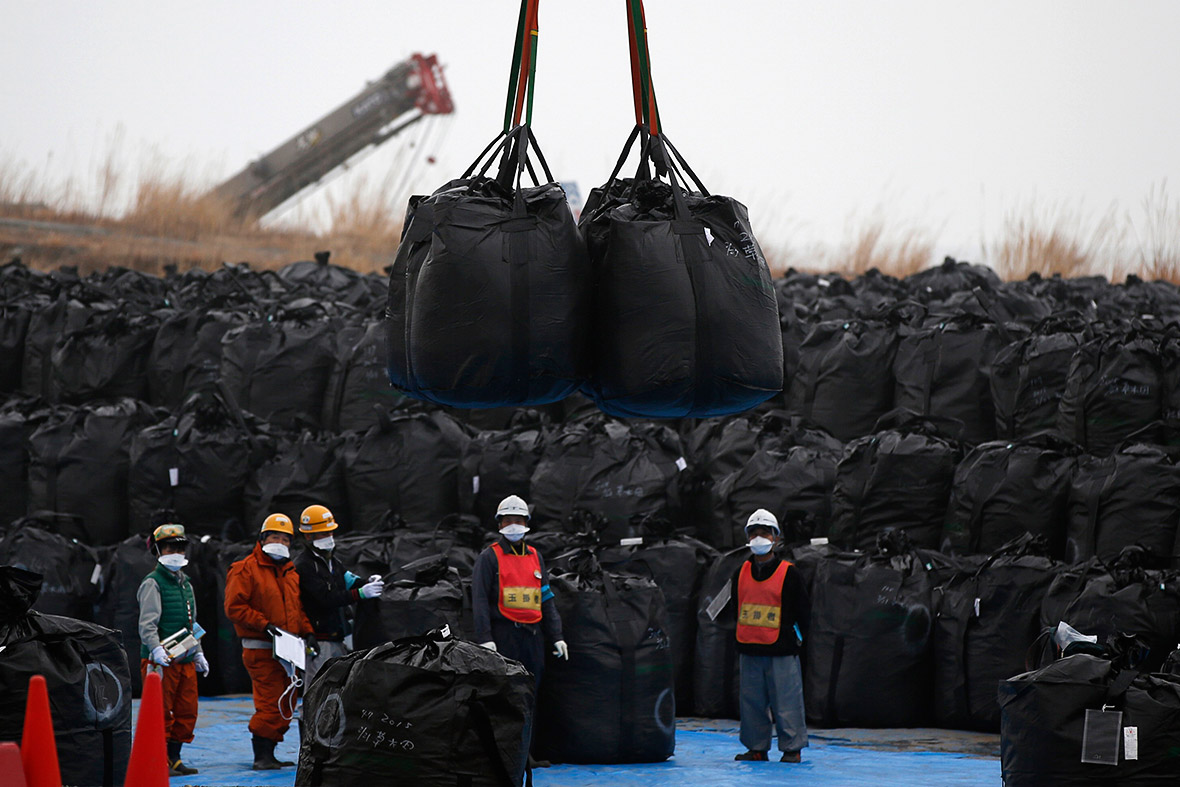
[(163, 218), (1057, 241), (896, 251)]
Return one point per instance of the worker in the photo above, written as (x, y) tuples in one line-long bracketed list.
[(772, 618), (510, 595), (327, 589), (167, 606), (261, 597)]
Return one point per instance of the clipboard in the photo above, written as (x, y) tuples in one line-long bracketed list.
[(291, 649)]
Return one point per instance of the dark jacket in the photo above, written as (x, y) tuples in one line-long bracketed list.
[(485, 595), (796, 608), (325, 594)]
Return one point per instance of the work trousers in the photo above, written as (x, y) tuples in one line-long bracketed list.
[(772, 689), (328, 650), (268, 681), (179, 684), (523, 642)]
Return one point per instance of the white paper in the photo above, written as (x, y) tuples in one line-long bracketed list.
[(1131, 743), (708, 236), (290, 648), (977, 606), (720, 600), (174, 476), (631, 542), (96, 575), (681, 464), (819, 542)]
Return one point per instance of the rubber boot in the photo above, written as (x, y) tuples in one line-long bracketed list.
[(264, 754), (175, 766)]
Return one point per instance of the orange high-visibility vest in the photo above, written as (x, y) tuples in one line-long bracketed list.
[(760, 606), (520, 585)]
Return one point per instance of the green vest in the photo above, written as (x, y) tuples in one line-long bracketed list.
[(177, 606)]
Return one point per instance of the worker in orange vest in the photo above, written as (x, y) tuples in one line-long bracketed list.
[(512, 604), (772, 617)]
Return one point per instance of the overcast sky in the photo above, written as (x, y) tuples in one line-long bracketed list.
[(941, 115)]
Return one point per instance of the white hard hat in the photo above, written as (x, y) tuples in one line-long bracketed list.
[(763, 518), (513, 505)]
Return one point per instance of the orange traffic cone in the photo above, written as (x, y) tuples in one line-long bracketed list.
[(148, 766), (11, 766), (38, 749)]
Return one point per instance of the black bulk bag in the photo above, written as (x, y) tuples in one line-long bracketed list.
[(616, 469), (868, 646), (406, 465), (715, 684), (677, 565), (278, 368), (1116, 599), (15, 314), (793, 483), (456, 537), (50, 321), (359, 386), (428, 710), (321, 279), (1044, 716), (939, 282), (845, 378), (306, 468), (614, 701), (87, 676), (488, 294), (1129, 497), (198, 463), (944, 369), (104, 359), (16, 424), (498, 463), (897, 479), (435, 596), (71, 572), (124, 569), (78, 462), (1028, 377), (719, 447), (685, 316), (1113, 391), (186, 352), (1170, 361), (986, 620), (1004, 489)]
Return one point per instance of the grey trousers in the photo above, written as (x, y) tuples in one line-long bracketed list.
[(328, 650), (772, 688)]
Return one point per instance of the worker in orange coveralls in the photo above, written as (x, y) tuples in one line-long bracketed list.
[(261, 597)]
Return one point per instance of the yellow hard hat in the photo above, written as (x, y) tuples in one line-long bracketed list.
[(279, 523), (316, 519)]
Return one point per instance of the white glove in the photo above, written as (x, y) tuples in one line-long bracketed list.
[(374, 577), (489, 645), (373, 589), (160, 656), (202, 664), (561, 650)]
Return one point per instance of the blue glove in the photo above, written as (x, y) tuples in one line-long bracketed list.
[(350, 579)]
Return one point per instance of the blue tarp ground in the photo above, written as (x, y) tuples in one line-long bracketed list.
[(704, 756)]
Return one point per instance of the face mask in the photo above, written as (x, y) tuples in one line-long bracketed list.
[(173, 562), (277, 551), (760, 545), (513, 533), (324, 544)]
